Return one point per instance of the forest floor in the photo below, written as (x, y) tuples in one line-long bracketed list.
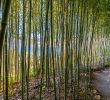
[(101, 81), (48, 94)]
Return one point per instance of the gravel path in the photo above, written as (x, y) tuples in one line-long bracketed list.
[(101, 80)]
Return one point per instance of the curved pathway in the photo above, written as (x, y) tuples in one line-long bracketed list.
[(101, 80)]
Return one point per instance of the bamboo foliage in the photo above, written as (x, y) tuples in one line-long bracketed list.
[(51, 47)]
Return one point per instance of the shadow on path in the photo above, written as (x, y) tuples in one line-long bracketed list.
[(101, 80)]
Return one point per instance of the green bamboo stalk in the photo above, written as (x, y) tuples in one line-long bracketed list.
[(29, 44), (23, 52), (4, 24), (6, 68)]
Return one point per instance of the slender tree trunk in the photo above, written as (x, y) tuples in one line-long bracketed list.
[(4, 24)]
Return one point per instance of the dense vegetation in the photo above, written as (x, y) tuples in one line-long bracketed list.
[(48, 47)]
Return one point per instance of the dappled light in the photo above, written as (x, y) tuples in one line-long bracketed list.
[(54, 49)]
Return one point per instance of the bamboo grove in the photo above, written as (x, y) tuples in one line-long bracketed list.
[(49, 47)]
